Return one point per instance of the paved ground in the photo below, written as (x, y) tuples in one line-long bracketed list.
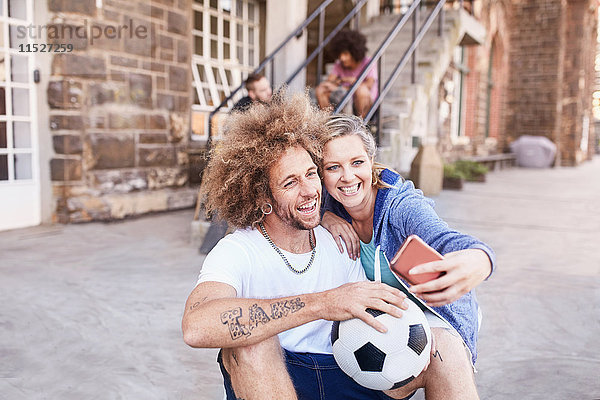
[(93, 311)]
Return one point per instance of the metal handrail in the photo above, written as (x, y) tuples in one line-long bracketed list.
[(269, 59), (404, 59)]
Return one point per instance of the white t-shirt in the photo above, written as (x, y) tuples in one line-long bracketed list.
[(246, 261)]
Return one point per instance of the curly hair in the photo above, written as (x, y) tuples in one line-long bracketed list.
[(236, 180), (348, 40)]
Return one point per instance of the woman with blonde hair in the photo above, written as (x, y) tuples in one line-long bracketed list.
[(371, 208)]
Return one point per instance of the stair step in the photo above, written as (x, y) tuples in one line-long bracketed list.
[(383, 23), (404, 78), (389, 62), (400, 45)]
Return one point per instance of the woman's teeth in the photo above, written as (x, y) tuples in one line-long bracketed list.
[(350, 189)]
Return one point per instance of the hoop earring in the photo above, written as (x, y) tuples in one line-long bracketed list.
[(263, 210)]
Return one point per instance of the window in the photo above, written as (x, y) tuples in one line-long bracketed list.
[(226, 50)]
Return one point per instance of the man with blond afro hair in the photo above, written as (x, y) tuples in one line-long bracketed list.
[(267, 293)]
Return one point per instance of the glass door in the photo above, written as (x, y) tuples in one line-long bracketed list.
[(19, 163)]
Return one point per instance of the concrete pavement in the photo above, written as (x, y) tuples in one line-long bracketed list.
[(539, 338), (93, 311)]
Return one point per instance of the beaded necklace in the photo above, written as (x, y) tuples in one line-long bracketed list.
[(311, 239)]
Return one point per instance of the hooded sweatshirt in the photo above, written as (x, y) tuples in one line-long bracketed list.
[(401, 211)]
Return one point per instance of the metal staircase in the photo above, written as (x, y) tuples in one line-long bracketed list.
[(408, 100)]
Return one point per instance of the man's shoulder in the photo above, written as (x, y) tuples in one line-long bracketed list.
[(344, 267), (242, 236), (324, 235), (247, 238), (240, 239)]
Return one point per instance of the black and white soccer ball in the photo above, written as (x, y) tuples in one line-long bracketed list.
[(383, 361)]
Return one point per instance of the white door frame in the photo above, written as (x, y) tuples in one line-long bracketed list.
[(20, 194)]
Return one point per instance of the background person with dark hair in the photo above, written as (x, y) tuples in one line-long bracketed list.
[(349, 47), (259, 89)]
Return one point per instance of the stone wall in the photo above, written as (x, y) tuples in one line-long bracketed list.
[(542, 77), (497, 106), (119, 108)]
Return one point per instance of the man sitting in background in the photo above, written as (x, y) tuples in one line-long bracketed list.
[(259, 89)]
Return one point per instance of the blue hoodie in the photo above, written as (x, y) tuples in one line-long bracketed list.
[(402, 211)]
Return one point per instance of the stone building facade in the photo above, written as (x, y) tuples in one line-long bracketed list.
[(120, 109), (480, 90), (534, 75), (108, 127), (103, 124), (487, 84)]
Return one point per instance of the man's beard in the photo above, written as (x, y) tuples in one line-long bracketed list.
[(286, 216)]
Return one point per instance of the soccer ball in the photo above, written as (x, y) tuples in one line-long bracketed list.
[(383, 361)]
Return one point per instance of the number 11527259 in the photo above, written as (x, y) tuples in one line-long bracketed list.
[(45, 48)]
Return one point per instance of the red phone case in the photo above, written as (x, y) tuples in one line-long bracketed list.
[(415, 251)]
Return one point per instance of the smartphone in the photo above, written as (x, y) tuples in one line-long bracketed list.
[(415, 251)]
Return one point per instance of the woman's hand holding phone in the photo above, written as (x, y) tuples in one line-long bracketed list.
[(461, 271)]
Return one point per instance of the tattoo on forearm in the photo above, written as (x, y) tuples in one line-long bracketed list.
[(437, 354), (232, 319), (198, 303), (283, 308), (256, 316)]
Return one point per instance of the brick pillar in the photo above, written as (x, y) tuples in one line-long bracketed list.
[(577, 80), (551, 77), (536, 69)]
